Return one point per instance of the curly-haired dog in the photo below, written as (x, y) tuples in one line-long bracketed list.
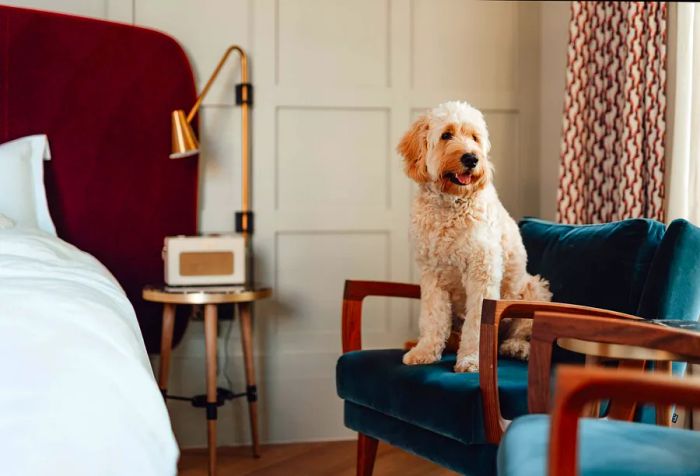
[(466, 243)]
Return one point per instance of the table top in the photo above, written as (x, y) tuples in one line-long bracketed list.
[(631, 352), (617, 351), (204, 294)]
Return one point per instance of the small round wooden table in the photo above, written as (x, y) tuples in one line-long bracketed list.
[(619, 351), (241, 297), (598, 350)]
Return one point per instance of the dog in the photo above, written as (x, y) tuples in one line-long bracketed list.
[(467, 245)]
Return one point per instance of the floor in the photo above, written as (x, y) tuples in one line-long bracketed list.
[(306, 459)]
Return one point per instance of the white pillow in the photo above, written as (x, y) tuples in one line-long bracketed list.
[(22, 193)]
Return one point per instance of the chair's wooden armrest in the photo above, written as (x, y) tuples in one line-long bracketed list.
[(577, 386), (358, 290), (548, 327), (355, 292), (493, 311), (498, 310)]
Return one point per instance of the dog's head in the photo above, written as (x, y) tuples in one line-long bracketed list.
[(449, 147)]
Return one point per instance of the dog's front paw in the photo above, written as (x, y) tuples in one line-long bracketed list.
[(469, 363), (515, 348), (420, 355)]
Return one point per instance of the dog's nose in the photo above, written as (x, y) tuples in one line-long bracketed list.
[(469, 160)]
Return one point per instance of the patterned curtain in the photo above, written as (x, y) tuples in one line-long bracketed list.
[(612, 159)]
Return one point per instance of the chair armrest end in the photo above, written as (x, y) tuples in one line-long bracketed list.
[(354, 294)]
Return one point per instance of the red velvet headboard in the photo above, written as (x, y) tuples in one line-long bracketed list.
[(103, 93)]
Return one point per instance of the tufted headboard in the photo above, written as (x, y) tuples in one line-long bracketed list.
[(103, 92)]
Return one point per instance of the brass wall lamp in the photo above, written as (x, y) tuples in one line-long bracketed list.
[(185, 144)]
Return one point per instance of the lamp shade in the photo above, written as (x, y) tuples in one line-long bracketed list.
[(184, 141)]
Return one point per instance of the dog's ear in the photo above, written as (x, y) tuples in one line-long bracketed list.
[(486, 142), (413, 147)]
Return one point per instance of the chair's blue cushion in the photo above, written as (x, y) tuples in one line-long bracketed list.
[(606, 448), (432, 397), (472, 460), (603, 266)]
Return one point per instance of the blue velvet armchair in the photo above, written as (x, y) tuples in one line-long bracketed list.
[(622, 270)]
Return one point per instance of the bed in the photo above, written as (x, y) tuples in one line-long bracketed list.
[(79, 395)]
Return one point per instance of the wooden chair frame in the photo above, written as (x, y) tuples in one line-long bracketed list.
[(493, 312), (577, 386)]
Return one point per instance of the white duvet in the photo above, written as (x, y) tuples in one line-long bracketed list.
[(77, 394)]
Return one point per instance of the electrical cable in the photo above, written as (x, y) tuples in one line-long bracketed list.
[(224, 366)]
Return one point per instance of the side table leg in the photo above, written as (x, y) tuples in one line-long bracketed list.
[(663, 412), (623, 410), (166, 344), (592, 409), (251, 389), (210, 334)]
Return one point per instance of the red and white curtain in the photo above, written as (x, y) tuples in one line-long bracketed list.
[(612, 160)]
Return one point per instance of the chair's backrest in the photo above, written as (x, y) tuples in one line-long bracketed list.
[(602, 266), (672, 289)]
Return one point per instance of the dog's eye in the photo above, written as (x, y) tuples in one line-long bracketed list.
[(446, 136), (476, 138)]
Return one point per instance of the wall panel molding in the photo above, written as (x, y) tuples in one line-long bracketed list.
[(327, 51), (346, 169), (335, 252)]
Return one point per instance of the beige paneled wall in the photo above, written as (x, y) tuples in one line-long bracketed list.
[(554, 37), (337, 83)]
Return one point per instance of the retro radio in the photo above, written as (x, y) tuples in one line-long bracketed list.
[(204, 260)]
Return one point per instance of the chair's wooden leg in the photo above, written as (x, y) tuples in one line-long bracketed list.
[(251, 388), (210, 334), (166, 344), (366, 454)]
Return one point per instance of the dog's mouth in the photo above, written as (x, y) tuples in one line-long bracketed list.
[(460, 179)]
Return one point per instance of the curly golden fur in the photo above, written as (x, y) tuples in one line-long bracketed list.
[(467, 245)]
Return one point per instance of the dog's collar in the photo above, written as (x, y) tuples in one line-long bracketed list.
[(446, 200)]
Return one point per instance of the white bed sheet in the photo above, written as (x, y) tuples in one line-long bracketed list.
[(77, 394)]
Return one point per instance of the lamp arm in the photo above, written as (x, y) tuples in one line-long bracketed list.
[(244, 218), (217, 70)]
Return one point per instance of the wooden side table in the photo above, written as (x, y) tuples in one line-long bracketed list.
[(241, 297), (662, 359)]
